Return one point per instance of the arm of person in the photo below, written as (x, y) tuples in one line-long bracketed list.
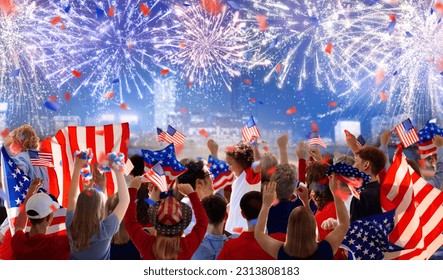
[(384, 140), (315, 153), (255, 148), (335, 238), (22, 218), (282, 143), (212, 147), (351, 141), (437, 180), (302, 152), (268, 244), (74, 185), (303, 194), (123, 195)]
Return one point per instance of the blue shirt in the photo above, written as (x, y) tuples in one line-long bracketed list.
[(210, 247), (324, 252), (99, 245)]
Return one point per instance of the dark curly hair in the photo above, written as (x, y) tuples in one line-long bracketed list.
[(242, 153), (139, 165), (196, 170), (322, 194), (316, 172)]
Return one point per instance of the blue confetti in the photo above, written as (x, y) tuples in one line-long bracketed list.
[(116, 81), (408, 34), (100, 13), (391, 27), (431, 11), (14, 73), (235, 5), (67, 9), (259, 102), (274, 43), (395, 73), (314, 20), (149, 201), (441, 73), (439, 20), (52, 105), (186, 4)]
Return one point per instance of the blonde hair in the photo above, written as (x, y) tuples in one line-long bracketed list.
[(25, 135), (88, 214), (121, 236), (166, 248), (301, 234)]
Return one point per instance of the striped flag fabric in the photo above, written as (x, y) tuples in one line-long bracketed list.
[(418, 211), (101, 139), (40, 158), (156, 175), (250, 130), (406, 132), (314, 139), (223, 177), (174, 136), (161, 135), (361, 142), (16, 184), (425, 145)]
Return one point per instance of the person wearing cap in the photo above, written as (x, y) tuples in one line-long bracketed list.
[(169, 218), (36, 244)]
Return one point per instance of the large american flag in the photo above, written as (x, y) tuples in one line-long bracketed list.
[(223, 177), (250, 130), (168, 161), (425, 145), (406, 132), (101, 139), (418, 211), (16, 184), (314, 139)]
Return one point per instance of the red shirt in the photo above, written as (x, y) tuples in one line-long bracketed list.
[(245, 247), (144, 241), (327, 212), (5, 247), (40, 246)]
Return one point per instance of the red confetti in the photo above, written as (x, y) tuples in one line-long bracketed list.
[(7, 6), (5, 133), (291, 110), (383, 96), (271, 170), (247, 81), (109, 95), (182, 45), (144, 9), (252, 99), (439, 7), (332, 104), (164, 72), (440, 64), (189, 84), (261, 19), (53, 207), (130, 44), (124, 106), (314, 126), (211, 6), (76, 73), (52, 98), (203, 133), (392, 17), (278, 68), (111, 11), (100, 132), (56, 20), (230, 149), (328, 48), (62, 27), (266, 149), (67, 96), (379, 76), (238, 230), (183, 110)]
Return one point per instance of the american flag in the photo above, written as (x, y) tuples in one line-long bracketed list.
[(156, 175), (223, 177), (425, 145), (161, 135), (40, 158), (361, 142), (16, 184), (406, 132), (314, 139), (419, 211), (174, 136), (250, 130), (167, 159), (367, 238), (101, 139)]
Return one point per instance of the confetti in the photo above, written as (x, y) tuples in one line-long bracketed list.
[(56, 20), (182, 45), (67, 9), (111, 11), (266, 149), (5, 132), (203, 133), (211, 6), (408, 34), (52, 98), (392, 17), (109, 95), (52, 105), (53, 207), (234, 5), (379, 76), (76, 73), (247, 81), (237, 229), (278, 68), (261, 19), (100, 13), (164, 72), (314, 126), (144, 9), (383, 96), (332, 104), (328, 48), (291, 110), (14, 73), (67, 96), (116, 81), (100, 132), (252, 99), (150, 201), (183, 110), (271, 170), (189, 84), (124, 106)]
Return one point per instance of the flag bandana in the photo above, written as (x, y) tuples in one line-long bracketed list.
[(351, 176), (425, 145)]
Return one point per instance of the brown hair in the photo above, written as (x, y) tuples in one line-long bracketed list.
[(242, 154), (88, 213), (25, 135), (215, 207), (122, 236), (285, 178), (142, 205), (166, 248), (322, 194), (301, 234), (375, 156), (268, 161), (316, 172)]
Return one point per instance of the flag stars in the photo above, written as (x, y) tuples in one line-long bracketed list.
[(10, 162), (372, 256), (16, 188), (18, 201), (365, 251)]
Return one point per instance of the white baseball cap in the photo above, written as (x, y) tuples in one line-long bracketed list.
[(42, 204)]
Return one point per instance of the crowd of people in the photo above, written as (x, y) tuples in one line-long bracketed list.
[(275, 209)]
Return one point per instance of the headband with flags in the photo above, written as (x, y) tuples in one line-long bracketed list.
[(351, 176)]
